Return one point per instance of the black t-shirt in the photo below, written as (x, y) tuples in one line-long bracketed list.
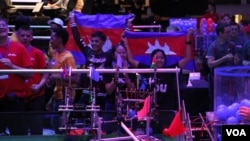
[(107, 78), (100, 61), (167, 98)]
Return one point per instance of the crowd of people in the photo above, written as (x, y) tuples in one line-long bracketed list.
[(230, 48), (24, 93)]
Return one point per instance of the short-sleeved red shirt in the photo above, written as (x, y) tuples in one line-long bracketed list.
[(11, 82), (39, 62)]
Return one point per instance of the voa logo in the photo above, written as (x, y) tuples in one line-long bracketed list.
[(236, 132)]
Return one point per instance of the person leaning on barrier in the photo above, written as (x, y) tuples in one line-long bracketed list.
[(122, 81), (94, 56), (34, 99), (13, 55), (54, 23), (166, 93), (62, 58)]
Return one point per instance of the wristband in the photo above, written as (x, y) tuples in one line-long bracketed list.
[(188, 43)]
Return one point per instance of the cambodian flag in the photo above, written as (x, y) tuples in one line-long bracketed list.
[(143, 43), (111, 25)]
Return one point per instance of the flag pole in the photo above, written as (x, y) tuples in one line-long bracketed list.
[(178, 89)]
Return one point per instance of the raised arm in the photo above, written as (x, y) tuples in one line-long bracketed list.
[(188, 55), (76, 35), (130, 58)]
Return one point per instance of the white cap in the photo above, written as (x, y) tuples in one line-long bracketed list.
[(56, 21)]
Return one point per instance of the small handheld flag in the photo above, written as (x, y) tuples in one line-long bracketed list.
[(93, 74), (119, 61), (153, 62), (176, 127)]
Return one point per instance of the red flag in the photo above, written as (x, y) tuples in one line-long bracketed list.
[(145, 109), (176, 127)]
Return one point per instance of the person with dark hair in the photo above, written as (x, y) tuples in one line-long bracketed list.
[(95, 56), (237, 38), (21, 20), (62, 58), (136, 9), (246, 47), (34, 99), (221, 52), (13, 55), (54, 24), (122, 81), (226, 18), (212, 13), (165, 82)]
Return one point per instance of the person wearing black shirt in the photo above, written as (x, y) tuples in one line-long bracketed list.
[(165, 84), (95, 56), (122, 81)]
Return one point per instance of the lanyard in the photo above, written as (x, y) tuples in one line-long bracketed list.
[(29, 48)]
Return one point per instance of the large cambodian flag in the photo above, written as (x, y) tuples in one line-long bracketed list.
[(143, 43), (112, 25)]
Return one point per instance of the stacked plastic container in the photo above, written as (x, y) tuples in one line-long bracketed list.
[(231, 91)]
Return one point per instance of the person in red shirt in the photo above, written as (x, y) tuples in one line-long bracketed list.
[(12, 85), (35, 85), (211, 13)]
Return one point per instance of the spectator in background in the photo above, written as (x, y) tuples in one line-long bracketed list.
[(243, 24), (238, 39), (61, 7), (34, 99), (136, 9), (226, 18), (212, 13), (79, 5), (246, 47), (12, 86), (221, 52), (21, 20)]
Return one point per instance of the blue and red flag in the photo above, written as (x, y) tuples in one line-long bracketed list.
[(66, 71), (111, 25), (143, 43)]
